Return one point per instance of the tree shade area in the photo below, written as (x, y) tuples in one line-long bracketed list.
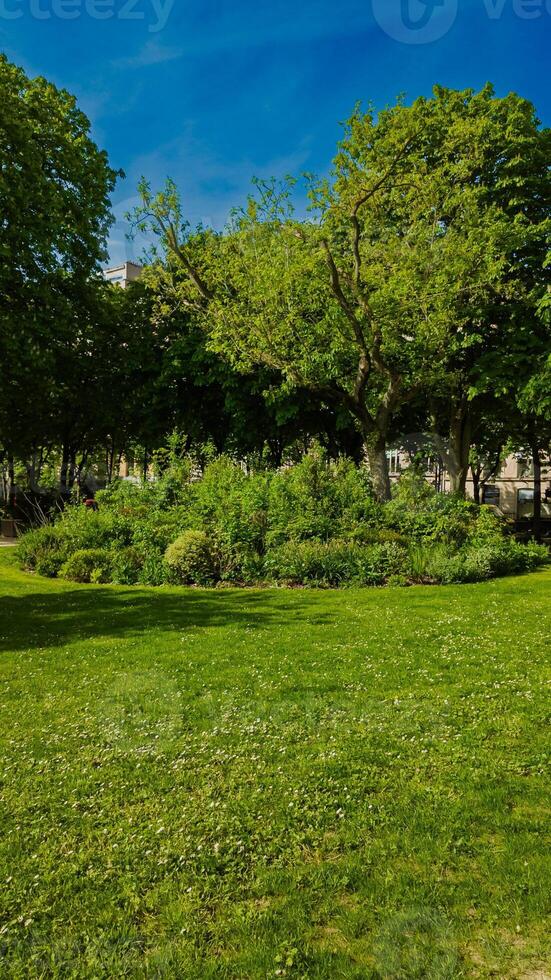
[(274, 783)]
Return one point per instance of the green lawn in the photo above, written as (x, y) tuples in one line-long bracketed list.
[(296, 784)]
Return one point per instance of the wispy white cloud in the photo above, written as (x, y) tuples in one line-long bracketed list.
[(210, 186), (151, 53)]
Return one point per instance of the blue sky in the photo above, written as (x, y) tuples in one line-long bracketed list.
[(212, 93)]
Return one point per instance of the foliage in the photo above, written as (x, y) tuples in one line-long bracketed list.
[(192, 559), (314, 500), (418, 512), (40, 544), (404, 283), (54, 200), (49, 564), (488, 560), (417, 287), (334, 563), (313, 522), (88, 565), (475, 562), (127, 565)]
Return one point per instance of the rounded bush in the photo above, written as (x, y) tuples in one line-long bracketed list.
[(49, 565), (88, 565), (192, 559), (39, 545)]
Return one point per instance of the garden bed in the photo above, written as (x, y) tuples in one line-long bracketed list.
[(315, 524)]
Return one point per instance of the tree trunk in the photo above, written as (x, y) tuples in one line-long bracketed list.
[(12, 495), (33, 467), (72, 469), (4, 476), (476, 484), (275, 447), (11, 483), (64, 472), (536, 521), (460, 446), (109, 461), (80, 469), (375, 447)]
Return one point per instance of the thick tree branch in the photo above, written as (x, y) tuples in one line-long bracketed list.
[(390, 402), (341, 298), (169, 232)]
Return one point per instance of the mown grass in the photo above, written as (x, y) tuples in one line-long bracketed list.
[(241, 784)]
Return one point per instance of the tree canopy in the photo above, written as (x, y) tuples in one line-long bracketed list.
[(406, 279), (54, 218)]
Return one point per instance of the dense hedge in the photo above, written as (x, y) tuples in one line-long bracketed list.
[(313, 524)]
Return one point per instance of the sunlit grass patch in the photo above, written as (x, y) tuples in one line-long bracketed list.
[(261, 784)]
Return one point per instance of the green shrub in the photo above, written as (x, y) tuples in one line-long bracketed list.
[(312, 523), (307, 562), (486, 527), (79, 528), (334, 563), (154, 570), (380, 562), (49, 565), (418, 512), (155, 532), (239, 563), (461, 567), (364, 534), (474, 563), (231, 507), (39, 545), (192, 559), (88, 565), (127, 564), (426, 561), (319, 500)]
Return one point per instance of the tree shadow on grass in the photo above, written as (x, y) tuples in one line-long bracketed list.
[(40, 619)]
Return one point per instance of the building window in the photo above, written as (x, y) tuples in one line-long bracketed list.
[(525, 503), (525, 469), (490, 495)]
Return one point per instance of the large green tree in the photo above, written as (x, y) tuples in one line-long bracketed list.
[(497, 147), (400, 281), (54, 218)]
